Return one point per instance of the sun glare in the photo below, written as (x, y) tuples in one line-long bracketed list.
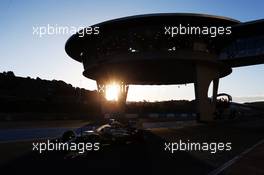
[(112, 92)]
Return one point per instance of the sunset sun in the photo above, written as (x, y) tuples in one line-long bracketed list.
[(112, 92)]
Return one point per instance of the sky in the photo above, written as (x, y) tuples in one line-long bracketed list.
[(28, 54)]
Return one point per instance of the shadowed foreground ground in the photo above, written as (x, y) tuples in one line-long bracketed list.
[(147, 156)]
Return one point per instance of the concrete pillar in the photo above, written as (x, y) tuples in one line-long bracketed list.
[(101, 92), (117, 108), (204, 106), (215, 89)]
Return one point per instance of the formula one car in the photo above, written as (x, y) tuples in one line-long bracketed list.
[(110, 134)]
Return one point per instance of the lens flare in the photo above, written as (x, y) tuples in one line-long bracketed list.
[(112, 92)]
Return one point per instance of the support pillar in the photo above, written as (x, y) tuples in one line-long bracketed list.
[(113, 109), (204, 106), (215, 89), (122, 99)]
